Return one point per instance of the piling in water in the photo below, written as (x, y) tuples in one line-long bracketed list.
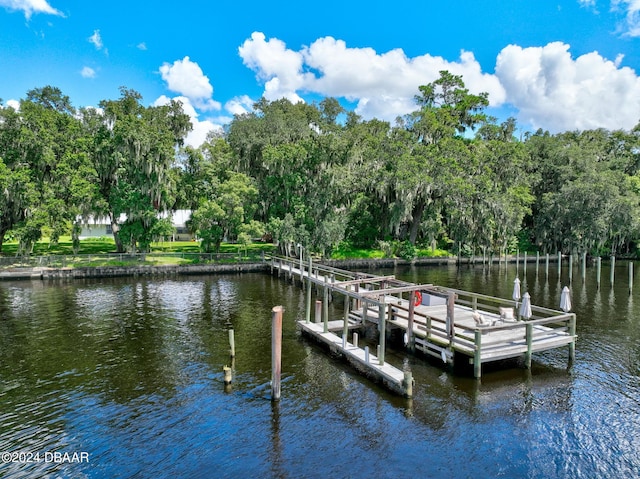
[(276, 351)]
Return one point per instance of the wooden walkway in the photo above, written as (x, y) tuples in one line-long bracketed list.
[(449, 324)]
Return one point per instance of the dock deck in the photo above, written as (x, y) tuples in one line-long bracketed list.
[(442, 322)]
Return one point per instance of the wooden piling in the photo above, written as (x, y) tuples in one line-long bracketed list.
[(232, 343), (547, 265), (318, 316), (584, 266), (527, 357), (598, 271), (412, 307), (228, 375), (559, 264), (276, 351), (325, 308), (570, 268), (345, 330), (308, 304), (382, 317), (630, 277), (477, 355), (613, 269)]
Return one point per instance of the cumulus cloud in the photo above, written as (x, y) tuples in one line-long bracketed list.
[(239, 105), (29, 7), (631, 9), (96, 39), (88, 72), (556, 92), (186, 78), (141, 46), (201, 128), (382, 84)]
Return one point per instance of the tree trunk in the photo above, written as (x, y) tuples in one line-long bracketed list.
[(115, 228), (415, 221)]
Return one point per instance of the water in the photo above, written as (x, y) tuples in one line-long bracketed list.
[(130, 372)]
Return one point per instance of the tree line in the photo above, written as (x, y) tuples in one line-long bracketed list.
[(317, 175)]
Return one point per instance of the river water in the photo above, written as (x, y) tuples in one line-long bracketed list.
[(125, 376)]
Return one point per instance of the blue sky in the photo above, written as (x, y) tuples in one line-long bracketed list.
[(556, 65)]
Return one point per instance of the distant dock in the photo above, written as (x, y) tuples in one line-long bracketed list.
[(445, 323)]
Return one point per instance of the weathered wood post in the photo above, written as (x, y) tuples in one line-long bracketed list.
[(308, 305), (517, 261), (228, 377), (598, 270), (325, 307), (546, 269), (613, 269), (559, 264), (451, 304), (355, 339), (477, 355), (407, 383), (232, 343), (537, 261), (382, 323), (318, 316), (630, 277), (412, 308), (572, 345), (584, 266), (570, 268), (276, 351), (345, 330), (527, 357), (524, 266)]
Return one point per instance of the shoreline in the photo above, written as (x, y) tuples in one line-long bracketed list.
[(46, 273)]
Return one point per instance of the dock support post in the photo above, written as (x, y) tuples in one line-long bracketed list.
[(524, 265), (308, 308), (584, 266), (325, 308), (232, 343), (572, 345), (355, 340), (366, 354), (318, 317), (630, 277), (228, 375), (412, 307), (570, 268), (382, 322), (613, 269), (408, 384), (559, 264), (477, 355), (527, 357), (537, 261), (276, 351), (598, 270), (546, 269), (345, 331)]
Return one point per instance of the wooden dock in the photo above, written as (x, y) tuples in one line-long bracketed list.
[(445, 323)]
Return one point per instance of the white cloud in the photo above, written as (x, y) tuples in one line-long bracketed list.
[(29, 7), (186, 78), (556, 92), (631, 8), (141, 46), (88, 72), (239, 105), (201, 128), (96, 39), (15, 104), (382, 84)]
